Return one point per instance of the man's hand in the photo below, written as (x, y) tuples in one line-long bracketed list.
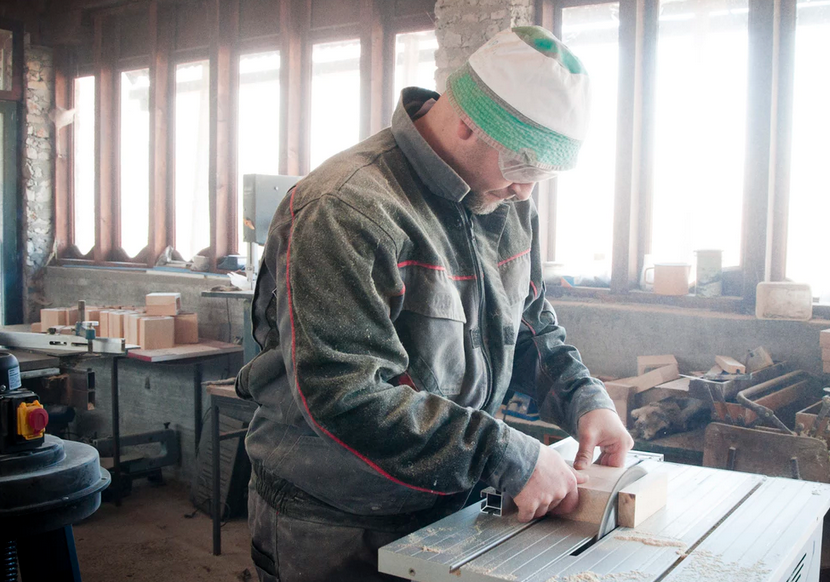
[(551, 486), (602, 428)]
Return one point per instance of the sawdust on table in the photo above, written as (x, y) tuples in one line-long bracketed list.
[(704, 566), (588, 576), (650, 540)]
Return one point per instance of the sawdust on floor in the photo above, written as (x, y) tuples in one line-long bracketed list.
[(152, 538)]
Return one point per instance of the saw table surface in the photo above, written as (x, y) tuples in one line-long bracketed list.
[(717, 525)]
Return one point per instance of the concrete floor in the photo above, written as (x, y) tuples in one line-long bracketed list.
[(152, 537)]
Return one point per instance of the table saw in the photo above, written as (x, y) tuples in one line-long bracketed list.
[(715, 525)]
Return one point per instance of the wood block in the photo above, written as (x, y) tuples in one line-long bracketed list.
[(826, 367), (623, 397), (187, 328), (37, 327), (103, 323), (92, 314), (594, 495), (675, 388), (157, 332), (824, 338), (758, 359), (163, 303), (115, 321), (714, 371), (730, 365), (649, 363), (825, 354), (642, 499), (131, 328), (52, 316), (71, 315), (653, 378)]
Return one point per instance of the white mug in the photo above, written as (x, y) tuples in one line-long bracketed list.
[(670, 278)]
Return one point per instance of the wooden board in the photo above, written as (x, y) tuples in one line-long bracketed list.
[(765, 452), (653, 378), (675, 388), (205, 348), (824, 338)]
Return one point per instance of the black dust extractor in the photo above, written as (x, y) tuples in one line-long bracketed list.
[(46, 485)]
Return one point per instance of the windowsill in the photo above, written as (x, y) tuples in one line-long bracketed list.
[(724, 304), (134, 268)]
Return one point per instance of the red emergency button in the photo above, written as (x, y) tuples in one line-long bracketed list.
[(37, 418)]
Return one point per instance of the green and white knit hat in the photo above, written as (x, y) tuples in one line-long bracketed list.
[(526, 95)]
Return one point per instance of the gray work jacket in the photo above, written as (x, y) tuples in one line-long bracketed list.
[(392, 323)]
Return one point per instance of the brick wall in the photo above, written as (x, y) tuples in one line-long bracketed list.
[(38, 174), (464, 25)]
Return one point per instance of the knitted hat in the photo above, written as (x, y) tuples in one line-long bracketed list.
[(526, 95)]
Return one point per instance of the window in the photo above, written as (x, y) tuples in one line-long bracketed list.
[(807, 260), (83, 169), (700, 120), (585, 196), (259, 119), (415, 60), (335, 98), (192, 149), (135, 160)]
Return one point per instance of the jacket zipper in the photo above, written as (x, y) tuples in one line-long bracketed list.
[(480, 287)]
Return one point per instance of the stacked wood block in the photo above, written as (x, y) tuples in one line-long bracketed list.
[(160, 324), (824, 341)]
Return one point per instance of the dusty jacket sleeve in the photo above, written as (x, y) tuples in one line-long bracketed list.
[(342, 353), (548, 369)]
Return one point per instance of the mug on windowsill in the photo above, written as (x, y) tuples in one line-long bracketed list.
[(669, 278)]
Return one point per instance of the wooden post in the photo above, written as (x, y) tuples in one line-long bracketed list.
[(105, 142), (223, 83), (161, 216)]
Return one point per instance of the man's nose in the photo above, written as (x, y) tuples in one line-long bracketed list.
[(522, 191)]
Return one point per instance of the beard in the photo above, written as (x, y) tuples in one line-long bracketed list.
[(478, 204)]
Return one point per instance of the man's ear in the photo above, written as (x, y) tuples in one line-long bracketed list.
[(463, 131)]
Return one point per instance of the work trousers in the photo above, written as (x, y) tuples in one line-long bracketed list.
[(305, 540)]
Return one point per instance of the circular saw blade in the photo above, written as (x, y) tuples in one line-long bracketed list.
[(609, 516)]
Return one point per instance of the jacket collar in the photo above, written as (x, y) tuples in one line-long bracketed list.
[(439, 177)]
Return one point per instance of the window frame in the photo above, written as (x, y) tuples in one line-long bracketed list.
[(770, 62)]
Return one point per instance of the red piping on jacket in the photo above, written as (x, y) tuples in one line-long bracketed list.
[(514, 257), (535, 290), (297, 380), (424, 265)]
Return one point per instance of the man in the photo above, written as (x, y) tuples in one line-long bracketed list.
[(400, 297)]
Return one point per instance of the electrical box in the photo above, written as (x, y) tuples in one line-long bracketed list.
[(261, 194)]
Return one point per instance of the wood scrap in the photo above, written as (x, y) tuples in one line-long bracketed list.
[(623, 397), (653, 378), (758, 359), (674, 388), (730, 365), (648, 363), (824, 338)]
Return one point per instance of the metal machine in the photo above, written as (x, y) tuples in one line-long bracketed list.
[(716, 525), (46, 485), (261, 194)]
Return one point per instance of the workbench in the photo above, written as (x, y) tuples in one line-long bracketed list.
[(716, 526)]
